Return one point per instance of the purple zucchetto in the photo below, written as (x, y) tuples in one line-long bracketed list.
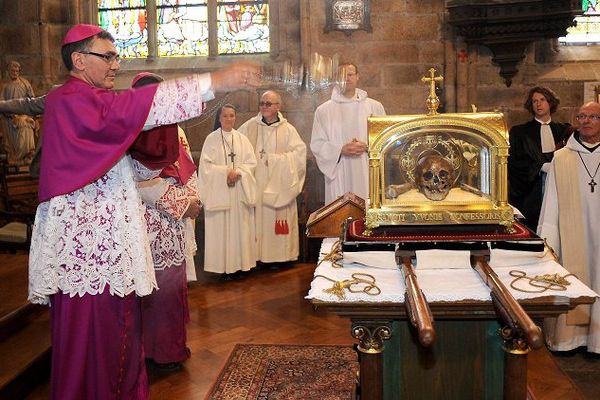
[(81, 32)]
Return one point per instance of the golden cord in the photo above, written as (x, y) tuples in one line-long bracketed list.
[(358, 278), (542, 282), (334, 255)]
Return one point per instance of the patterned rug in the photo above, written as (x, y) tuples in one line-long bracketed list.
[(290, 372)]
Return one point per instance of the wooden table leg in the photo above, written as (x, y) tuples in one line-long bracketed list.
[(516, 349), (370, 335), (371, 376), (515, 376)]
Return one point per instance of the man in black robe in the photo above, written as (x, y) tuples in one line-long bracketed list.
[(532, 147)]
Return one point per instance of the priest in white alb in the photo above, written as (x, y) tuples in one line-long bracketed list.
[(339, 138), (570, 221), (280, 171), (228, 193)]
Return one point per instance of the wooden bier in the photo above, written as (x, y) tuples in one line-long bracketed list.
[(466, 361), (327, 221), (416, 304), (478, 349), (519, 334), (507, 308)]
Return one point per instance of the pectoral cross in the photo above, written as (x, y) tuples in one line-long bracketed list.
[(232, 156), (433, 102), (592, 183), (262, 153)]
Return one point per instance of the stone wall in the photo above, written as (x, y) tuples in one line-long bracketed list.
[(408, 38)]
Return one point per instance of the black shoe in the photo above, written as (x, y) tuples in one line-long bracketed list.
[(241, 274), (260, 266), (274, 266), (175, 366), (569, 353)]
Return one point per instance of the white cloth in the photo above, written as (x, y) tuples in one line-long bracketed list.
[(172, 237), (228, 211), (445, 259), (437, 284), (337, 122), (559, 335), (280, 174), (546, 138), (96, 236), (374, 259), (425, 259), (514, 258), (442, 259)]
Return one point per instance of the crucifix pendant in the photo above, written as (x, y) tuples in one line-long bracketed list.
[(262, 153), (232, 156), (592, 183)]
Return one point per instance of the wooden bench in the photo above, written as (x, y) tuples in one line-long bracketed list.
[(18, 189)]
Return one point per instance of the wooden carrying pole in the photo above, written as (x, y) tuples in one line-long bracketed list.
[(507, 307), (415, 301)]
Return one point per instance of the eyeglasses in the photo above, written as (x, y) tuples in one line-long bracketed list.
[(581, 117), (266, 104), (108, 57)]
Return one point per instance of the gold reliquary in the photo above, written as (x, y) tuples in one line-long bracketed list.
[(438, 169)]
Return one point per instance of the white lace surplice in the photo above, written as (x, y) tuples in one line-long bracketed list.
[(83, 241)]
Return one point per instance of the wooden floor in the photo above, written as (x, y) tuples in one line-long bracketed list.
[(268, 306), (264, 307)]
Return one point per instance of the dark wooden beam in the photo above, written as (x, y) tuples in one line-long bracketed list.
[(508, 27)]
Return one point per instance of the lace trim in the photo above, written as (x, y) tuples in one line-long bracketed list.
[(176, 100), (171, 238), (92, 238), (173, 202)]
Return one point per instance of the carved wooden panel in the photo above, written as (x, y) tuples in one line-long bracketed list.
[(508, 27)]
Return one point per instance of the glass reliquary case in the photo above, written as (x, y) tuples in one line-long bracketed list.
[(438, 169)]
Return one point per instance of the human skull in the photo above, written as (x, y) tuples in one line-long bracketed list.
[(434, 175)]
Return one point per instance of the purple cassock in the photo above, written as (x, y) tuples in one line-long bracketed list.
[(165, 316), (96, 339)]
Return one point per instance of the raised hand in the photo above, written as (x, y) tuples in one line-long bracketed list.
[(238, 75)]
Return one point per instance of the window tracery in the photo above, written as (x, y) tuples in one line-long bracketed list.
[(180, 28), (587, 30)]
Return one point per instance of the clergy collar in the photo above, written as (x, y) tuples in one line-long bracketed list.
[(269, 123), (544, 123), (590, 147)]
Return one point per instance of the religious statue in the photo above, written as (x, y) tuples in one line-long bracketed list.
[(20, 130)]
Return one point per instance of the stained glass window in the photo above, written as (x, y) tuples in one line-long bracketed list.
[(588, 25), (183, 27), (243, 27), (126, 21)]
